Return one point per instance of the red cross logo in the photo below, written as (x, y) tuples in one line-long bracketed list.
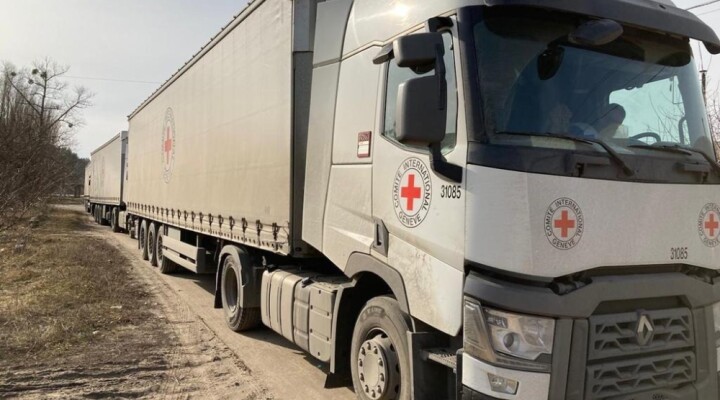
[(711, 224), (167, 146), (411, 192), (564, 224)]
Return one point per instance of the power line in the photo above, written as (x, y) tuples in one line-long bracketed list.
[(708, 12), (707, 3), (114, 80)]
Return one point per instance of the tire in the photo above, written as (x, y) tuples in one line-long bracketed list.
[(103, 220), (131, 227), (142, 239), (152, 243), (380, 338), (237, 318), (114, 221), (166, 266)]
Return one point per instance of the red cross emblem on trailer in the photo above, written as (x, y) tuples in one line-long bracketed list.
[(168, 144), (708, 225), (564, 223), (412, 192)]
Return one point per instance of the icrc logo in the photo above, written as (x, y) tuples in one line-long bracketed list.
[(168, 144), (412, 192), (708, 225), (564, 223)]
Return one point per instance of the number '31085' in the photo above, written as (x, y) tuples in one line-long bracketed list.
[(450, 191), (679, 253)]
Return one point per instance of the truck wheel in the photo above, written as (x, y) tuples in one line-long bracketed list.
[(380, 359), (131, 227), (114, 221), (142, 239), (152, 244), (166, 266), (103, 217), (238, 318)]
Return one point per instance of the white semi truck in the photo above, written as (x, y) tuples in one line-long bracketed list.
[(104, 181), (477, 199)]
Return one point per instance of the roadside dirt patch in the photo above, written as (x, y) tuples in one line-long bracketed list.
[(77, 321)]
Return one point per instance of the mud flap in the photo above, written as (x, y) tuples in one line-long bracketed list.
[(424, 370)]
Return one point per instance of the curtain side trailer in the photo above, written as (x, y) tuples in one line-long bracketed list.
[(104, 181)]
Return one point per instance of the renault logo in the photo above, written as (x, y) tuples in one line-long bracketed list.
[(645, 330)]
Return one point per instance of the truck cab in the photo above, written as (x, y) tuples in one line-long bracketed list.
[(536, 184)]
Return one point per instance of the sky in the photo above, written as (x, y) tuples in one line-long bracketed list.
[(110, 47), (122, 50)]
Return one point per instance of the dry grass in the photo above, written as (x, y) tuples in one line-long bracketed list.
[(67, 200), (66, 289)]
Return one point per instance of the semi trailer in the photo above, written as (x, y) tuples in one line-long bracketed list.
[(104, 182), (477, 199)]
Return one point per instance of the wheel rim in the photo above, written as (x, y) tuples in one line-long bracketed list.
[(231, 289), (379, 367)]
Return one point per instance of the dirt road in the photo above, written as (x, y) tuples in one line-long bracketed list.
[(279, 370)]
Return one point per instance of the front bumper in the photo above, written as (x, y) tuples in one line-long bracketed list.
[(596, 354)]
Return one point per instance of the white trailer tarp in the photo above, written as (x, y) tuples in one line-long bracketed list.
[(210, 151), (107, 167)]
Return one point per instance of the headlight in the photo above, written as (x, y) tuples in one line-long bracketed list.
[(520, 335), (507, 339)]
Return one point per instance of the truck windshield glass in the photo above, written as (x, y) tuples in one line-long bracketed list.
[(642, 88)]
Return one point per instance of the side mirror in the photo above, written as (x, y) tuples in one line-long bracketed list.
[(418, 50), (420, 119)]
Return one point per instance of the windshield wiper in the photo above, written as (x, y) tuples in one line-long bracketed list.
[(676, 148), (610, 151)]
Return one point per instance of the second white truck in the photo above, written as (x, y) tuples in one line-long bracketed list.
[(104, 180)]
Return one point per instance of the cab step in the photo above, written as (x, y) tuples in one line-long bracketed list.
[(443, 356)]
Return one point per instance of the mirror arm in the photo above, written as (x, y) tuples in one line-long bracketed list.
[(440, 74), (438, 162), (681, 130), (443, 168)]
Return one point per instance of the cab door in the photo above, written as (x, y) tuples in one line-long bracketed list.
[(421, 212)]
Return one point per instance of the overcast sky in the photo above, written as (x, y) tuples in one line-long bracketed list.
[(121, 41), (112, 46)]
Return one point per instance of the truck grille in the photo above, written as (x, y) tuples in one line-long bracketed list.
[(638, 375), (637, 351)]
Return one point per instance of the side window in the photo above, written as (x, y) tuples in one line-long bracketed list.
[(397, 75)]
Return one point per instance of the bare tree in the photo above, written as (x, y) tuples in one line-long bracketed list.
[(38, 117), (713, 109)]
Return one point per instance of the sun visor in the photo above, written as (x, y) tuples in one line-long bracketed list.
[(650, 14)]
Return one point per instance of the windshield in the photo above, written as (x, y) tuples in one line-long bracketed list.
[(640, 89)]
